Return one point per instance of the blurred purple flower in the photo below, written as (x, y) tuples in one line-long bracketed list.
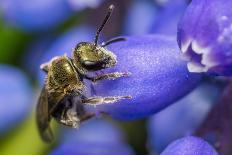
[(205, 36), (157, 73), (189, 146), (82, 4), (168, 17), (181, 118), (35, 15), (92, 130), (161, 2), (95, 137), (15, 97), (140, 17), (33, 55)]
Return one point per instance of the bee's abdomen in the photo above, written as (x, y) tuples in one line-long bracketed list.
[(62, 72)]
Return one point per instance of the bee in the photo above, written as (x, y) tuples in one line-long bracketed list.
[(63, 96)]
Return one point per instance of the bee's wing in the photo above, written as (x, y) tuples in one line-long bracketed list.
[(43, 117)]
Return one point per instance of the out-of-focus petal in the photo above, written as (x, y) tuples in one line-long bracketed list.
[(161, 2), (189, 146), (94, 130), (217, 126), (72, 148), (33, 54), (82, 4), (168, 18), (140, 17), (159, 77), (15, 97), (205, 36), (164, 3), (35, 15), (181, 118), (95, 137)]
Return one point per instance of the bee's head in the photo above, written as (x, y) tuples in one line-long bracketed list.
[(93, 57)]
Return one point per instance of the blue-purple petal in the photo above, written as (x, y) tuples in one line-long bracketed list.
[(73, 148), (146, 11), (168, 18), (95, 137), (159, 77), (204, 36), (94, 130), (189, 146), (15, 97), (34, 52), (78, 5), (181, 118), (35, 15)]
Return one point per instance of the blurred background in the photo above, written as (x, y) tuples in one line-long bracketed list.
[(34, 31)]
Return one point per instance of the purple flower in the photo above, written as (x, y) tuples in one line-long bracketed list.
[(88, 148), (204, 36), (159, 77), (189, 146), (181, 118), (35, 15), (95, 137), (82, 4), (15, 97), (145, 10), (32, 57), (168, 17), (161, 2), (157, 71)]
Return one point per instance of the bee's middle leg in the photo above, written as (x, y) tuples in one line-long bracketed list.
[(97, 100), (109, 76)]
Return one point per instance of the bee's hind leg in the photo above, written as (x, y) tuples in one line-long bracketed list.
[(97, 100)]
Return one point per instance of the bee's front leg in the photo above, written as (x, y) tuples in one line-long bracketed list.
[(97, 100), (109, 76)]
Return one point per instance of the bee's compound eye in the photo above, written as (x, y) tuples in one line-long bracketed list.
[(92, 65)]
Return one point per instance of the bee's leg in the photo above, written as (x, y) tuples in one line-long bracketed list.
[(97, 100), (83, 115), (109, 76), (70, 116)]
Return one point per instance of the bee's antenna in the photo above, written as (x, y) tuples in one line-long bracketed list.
[(110, 10), (104, 44)]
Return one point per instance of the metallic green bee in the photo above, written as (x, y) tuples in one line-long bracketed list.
[(63, 95)]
